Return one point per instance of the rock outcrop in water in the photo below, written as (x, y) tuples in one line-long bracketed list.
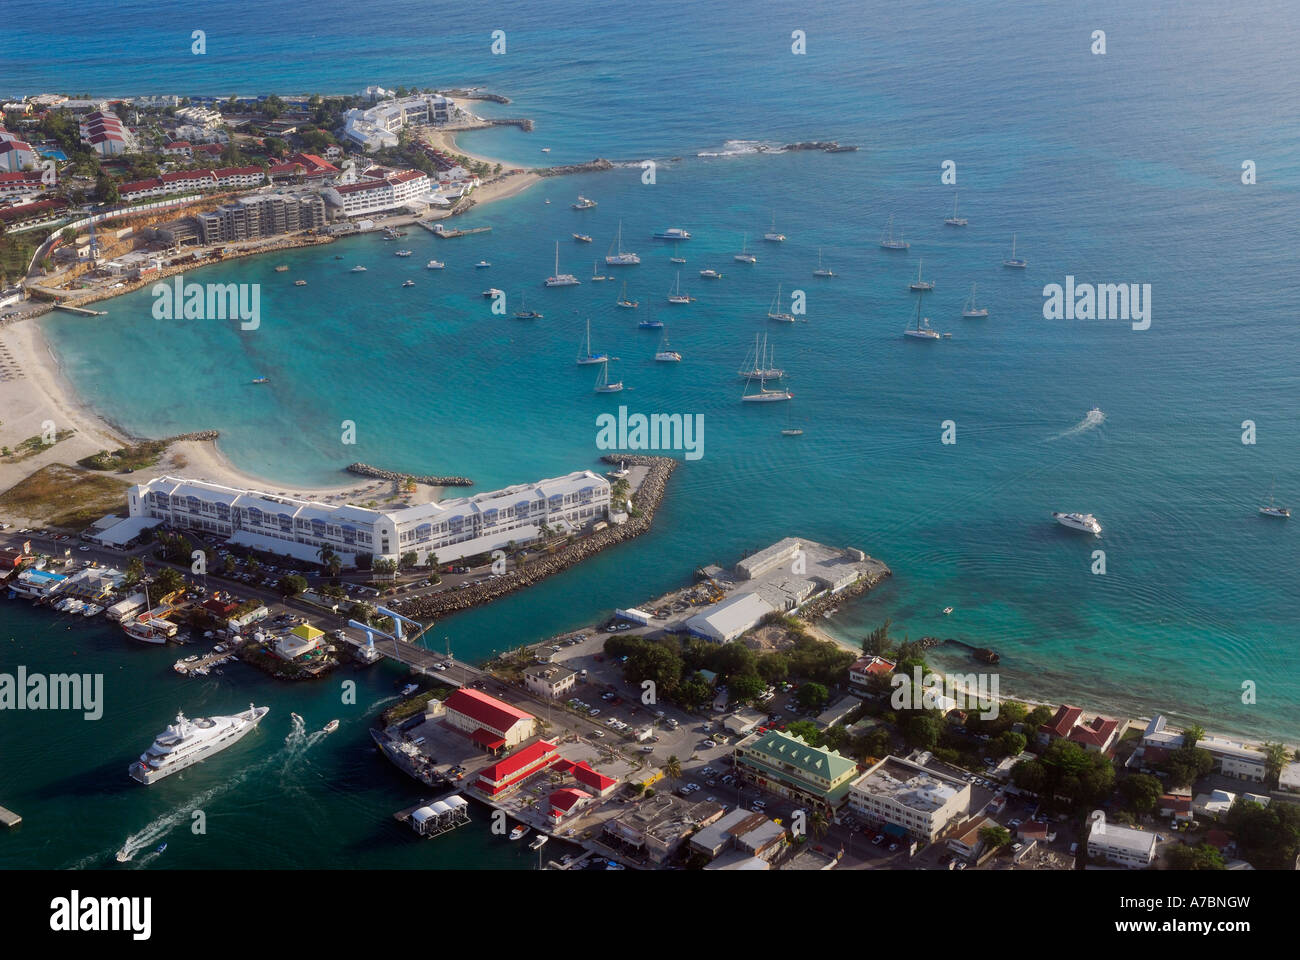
[(366, 470)]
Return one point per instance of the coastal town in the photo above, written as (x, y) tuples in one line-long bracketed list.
[(718, 726)]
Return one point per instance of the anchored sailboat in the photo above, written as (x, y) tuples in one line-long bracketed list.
[(1274, 511), (1014, 261), (624, 302), (666, 354), (622, 258), (772, 236), (745, 256), (586, 356), (954, 220), (889, 243), (924, 286), (602, 382), (822, 271), (773, 313), (759, 363), (675, 295), (523, 313), (969, 311), (922, 329), (558, 279)]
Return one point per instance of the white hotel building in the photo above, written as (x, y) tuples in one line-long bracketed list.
[(377, 127), (451, 529), (371, 196)]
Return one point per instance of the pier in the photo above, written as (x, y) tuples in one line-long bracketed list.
[(9, 818), (83, 311), (438, 230)]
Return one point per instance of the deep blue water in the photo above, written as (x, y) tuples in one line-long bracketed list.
[(1122, 168)]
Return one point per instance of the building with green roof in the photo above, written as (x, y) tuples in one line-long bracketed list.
[(788, 766)]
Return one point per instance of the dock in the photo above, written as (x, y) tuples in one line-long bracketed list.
[(9, 818), (436, 818), (85, 312), (438, 230)]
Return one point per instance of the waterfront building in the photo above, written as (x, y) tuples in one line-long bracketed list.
[(550, 680), (785, 764), (376, 127), (566, 802), (1123, 845), (911, 796), (1233, 758), (660, 825), (733, 617), (864, 668), (1288, 781), (261, 215), (506, 775), (1156, 734), (384, 193), (450, 529), (298, 642), (491, 723), (595, 781)]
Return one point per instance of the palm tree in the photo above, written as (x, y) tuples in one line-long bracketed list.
[(673, 769), (818, 824), (1193, 735)]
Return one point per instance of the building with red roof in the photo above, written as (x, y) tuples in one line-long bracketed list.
[(16, 156), (508, 774), (20, 183), (179, 148), (1062, 722), (862, 670), (314, 168), (1098, 736), (600, 784), (489, 722), (568, 801)]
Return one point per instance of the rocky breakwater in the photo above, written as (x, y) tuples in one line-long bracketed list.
[(366, 470), (648, 497), (591, 166), (873, 573), (827, 146)]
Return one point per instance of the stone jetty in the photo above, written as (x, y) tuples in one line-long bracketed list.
[(366, 470)]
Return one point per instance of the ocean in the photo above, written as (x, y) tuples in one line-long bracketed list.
[(1119, 168)]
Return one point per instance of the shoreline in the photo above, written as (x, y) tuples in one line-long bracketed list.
[(40, 389)]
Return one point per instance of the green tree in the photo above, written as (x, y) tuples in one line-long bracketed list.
[(134, 571), (673, 769), (1193, 735), (813, 696), (877, 641), (818, 824), (292, 584), (1188, 764), (1275, 758), (1141, 792), (408, 560), (1010, 744), (807, 730), (1201, 857), (168, 581), (772, 667), (748, 687), (921, 730), (995, 837)]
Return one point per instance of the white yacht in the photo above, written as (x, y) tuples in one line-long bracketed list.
[(745, 256), (586, 357), (666, 354), (1271, 510), (971, 312), (435, 265), (759, 363), (1078, 521), (765, 395), (676, 296), (672, 233), (822, 271), (402, 253), (622, 258), (583, 203), (358, 269), (602, 382), (772, 236), (558, 279), (186, 742), (923, 286)]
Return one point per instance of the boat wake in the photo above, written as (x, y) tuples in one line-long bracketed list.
[(152, 834), (1095, 418)]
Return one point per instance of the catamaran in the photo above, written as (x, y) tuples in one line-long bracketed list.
[(924, 286), (666, 354), (759, 364), (774, 314), (623, 258), (602, 382), (954, 220), (676, 295), (745, 256), (889, 243), (672, 233), (772, 236), (822, 271), (586, 356), (623, 301), (922, 329), (1014, 261), (560, 279), (969, 311)]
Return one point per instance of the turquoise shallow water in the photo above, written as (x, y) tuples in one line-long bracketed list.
[(1123, 168)]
